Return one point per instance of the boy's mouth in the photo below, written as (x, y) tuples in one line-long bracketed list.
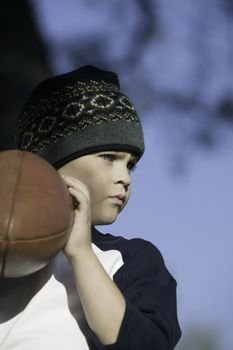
[(118, 199)]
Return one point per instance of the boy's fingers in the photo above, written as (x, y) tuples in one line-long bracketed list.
[(80, 199), (76, 184)]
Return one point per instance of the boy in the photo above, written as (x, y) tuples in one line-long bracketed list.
[(104, 292)]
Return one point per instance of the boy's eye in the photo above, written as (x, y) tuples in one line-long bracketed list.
[(131, 165), (110, 157)]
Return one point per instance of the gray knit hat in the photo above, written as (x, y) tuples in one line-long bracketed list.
[(77, 113)]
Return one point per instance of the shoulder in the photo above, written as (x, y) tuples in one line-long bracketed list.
[(142, 266), (132, 250)]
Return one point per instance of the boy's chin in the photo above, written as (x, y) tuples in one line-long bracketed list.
[(106, 217), (104, 221)]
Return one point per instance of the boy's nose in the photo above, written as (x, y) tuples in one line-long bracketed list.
[(123, 177)]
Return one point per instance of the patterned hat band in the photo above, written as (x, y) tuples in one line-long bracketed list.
[(66, 117)]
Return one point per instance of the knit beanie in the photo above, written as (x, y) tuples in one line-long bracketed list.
[(78, 113)]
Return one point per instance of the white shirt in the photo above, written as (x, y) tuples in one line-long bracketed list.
[(53, 318)]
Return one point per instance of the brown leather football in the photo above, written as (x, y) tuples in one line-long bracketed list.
[(36, 213)]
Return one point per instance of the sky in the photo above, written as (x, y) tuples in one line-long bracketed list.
[(188, 216)]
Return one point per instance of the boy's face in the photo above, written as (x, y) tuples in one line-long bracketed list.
[(107, 176)]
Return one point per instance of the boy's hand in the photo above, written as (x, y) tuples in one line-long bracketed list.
[(102, 301), (80, 236)]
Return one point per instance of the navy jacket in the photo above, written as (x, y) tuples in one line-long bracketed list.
[(150, 321)]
